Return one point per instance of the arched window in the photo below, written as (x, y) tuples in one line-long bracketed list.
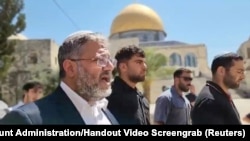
[(144, 38), (190, 60), (175, 60)]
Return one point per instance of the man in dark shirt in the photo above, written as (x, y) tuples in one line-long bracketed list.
[(191, 96), (214, 104), (126, 103)]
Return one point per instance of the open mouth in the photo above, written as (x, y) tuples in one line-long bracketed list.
[(106, 79)]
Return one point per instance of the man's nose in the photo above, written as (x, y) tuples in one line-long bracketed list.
[(145, 66), (243, 77), (109, 66)]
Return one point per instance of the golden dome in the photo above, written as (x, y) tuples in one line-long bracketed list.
[(136, 17)]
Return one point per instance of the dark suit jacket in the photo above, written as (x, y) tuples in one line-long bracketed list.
[(55, 108), (213, 106)]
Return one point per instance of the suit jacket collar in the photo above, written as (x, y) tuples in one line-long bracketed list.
[(68, 111), (66, 108), (110, 116)]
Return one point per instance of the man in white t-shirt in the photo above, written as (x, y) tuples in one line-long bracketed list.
[(32, 92)]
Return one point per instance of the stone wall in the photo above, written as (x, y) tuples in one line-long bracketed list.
[(32, 62)]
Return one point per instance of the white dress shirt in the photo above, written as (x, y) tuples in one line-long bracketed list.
[(91, 114)]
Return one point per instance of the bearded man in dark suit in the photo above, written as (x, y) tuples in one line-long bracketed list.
[(85, 75)]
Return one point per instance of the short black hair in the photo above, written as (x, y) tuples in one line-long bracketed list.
[(31, 85), (127, 52), (178, 72), (164, 88), (224, 60)]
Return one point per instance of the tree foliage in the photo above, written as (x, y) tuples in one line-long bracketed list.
[(51, 82), (156, 63), (12, 23)]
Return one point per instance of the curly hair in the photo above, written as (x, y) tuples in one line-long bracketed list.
[(127, 52)]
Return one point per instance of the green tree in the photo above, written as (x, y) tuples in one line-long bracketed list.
[(49, 78), (51, 82), (156, 63), (12, 23)]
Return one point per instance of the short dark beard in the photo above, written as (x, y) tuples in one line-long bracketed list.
[(136, 79), (182, 88), (229, 81)]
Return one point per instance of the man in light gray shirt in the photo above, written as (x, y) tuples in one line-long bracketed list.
[(172, 106)]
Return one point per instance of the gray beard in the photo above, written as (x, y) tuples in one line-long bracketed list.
[(88, 88)]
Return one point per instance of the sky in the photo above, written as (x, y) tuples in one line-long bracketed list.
[(221, 25)]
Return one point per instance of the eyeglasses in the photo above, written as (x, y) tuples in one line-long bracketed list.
[(187, 78), (101, 62)]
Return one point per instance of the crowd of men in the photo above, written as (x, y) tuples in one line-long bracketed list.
[(88, 94)]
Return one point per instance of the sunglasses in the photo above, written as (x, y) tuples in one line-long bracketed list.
[(187, 78)]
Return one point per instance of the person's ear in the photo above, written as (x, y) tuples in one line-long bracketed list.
[(123, 67), (70, 68), (221, 70)]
